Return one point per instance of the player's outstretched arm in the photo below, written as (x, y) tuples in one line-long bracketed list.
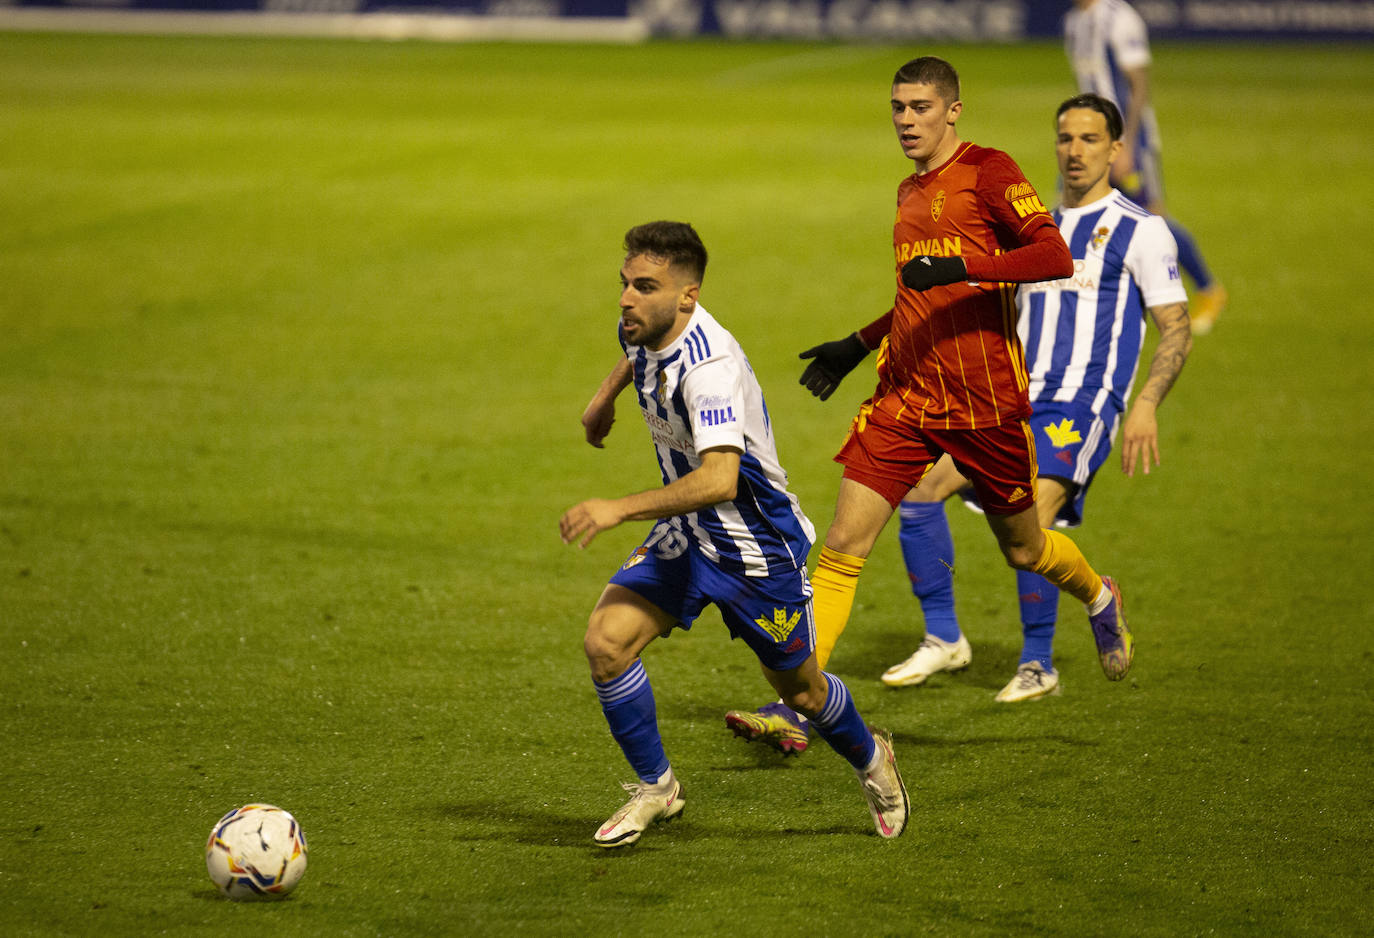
[(714, 481), (831, 361), (600, 412), (1140, 433)]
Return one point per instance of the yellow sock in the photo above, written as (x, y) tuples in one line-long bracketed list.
[(834, 583), (1064, 565)]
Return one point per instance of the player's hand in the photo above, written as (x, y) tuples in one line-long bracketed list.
[(1140, 438), (587, 520), (924, 272), (597, 420), (831, 361)]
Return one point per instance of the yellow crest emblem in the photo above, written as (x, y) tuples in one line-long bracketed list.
[(781, 626), (1061, 434), (937, 205)]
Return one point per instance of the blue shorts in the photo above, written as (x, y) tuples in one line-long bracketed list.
[(772, 614), (1071, 444)]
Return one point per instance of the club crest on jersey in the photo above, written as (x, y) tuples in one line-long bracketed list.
[(937, 205), (661, 390), (1023, 198), (781, 626), (1063, 434), (636, 558), (1100, 237)]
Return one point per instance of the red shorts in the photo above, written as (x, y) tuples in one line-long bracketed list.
[(891, 458)]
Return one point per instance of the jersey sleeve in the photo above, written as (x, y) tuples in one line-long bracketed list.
[(1153, 263), (713, 393), (872, 334), (1017, 210), (1129, 40)]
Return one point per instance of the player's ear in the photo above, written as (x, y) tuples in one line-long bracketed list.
[(955, 110), (689, 297)]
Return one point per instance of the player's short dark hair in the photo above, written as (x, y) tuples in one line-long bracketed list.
[(676, 241), (1095, 102), (930, 70)]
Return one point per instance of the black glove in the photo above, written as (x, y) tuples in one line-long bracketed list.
[(922, 273), (833, 360)]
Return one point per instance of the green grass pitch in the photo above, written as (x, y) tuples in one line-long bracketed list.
[(294, 339)]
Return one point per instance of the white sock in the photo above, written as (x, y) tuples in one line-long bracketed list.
[(1104, 597), (877, 759)]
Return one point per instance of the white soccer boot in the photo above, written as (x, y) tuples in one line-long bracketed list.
[(932, 657), (1031, 682), (648, 805), (883, 789)]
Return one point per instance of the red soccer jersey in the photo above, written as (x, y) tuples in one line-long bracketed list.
[(952, 359)]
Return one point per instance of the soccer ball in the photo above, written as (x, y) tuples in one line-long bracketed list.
[(256, 852)]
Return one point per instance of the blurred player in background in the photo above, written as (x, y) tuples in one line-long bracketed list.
[(1083, 336), (1109, 50), (951, 375), (728, 533)]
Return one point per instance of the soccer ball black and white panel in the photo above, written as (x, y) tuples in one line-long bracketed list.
[(257, 851)]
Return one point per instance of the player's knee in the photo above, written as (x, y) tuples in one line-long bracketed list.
[(808, 702), (606, 656), (605, 660), (806, 693), (1020, 556)]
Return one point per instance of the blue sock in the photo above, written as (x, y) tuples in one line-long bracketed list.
[(628, 702), (840, 725), (928, 550), (1039, 610), (1189, 257)]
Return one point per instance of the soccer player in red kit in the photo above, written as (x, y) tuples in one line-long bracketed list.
[(951, 374)]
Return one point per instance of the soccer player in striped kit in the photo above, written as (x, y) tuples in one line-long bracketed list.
[(728, 532), (951, 376), (1083, 336), (1109, 48)]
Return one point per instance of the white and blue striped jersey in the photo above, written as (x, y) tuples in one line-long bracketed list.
[(1083, 334), (699, 393), (1102, 42)]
